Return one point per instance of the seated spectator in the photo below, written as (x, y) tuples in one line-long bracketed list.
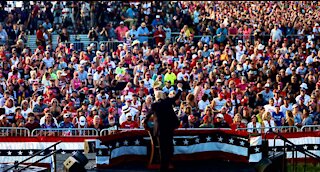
[(129, 123), (254, 126), (220, 122), (49, 121), (237, 122), (268, 123), (31, 124), (306, 119), (207, 122), (96, 123), (66, 123)]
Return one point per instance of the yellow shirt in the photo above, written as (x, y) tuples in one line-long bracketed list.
[(170, 77), (224, 57)]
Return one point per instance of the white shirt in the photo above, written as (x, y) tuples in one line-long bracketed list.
[(276, 34), (42, 120), (203, 104), (96, 76), (309, 60), (284, 109), (266, 125), (181, 75), (48, 62), (306, 99), (257, 127), (25, 113), (269, 108), (148, 83), (219, 103), (239, 52)]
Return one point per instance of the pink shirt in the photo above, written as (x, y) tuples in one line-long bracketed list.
[(121, 32)]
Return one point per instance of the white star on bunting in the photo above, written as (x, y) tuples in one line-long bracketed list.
[(30, 152), (274, 149), (185, 142), (305, 147), (197, 140), (110, 146), (125, 143), (315, 147), (242, 143), (100, 152), (220, 139), (9, 152), (42, 153), (20, 153), (208, 139), (256, 149), (137, 142), (174, 142), (231, 140), (117, 144), (74, 152), (63, 152)]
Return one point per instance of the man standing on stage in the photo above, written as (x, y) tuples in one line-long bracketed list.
[(165, 122)]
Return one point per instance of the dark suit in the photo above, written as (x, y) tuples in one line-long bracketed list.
[(165, 122)]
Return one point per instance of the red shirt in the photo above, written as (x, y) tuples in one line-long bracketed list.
[(40, 35), (131, 124), (235, 126), (158, 38)]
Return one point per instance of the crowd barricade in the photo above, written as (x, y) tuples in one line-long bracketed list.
[(80, 45), (310, 128), (14, 131), (281, 129), (65, 132), (111, 46)]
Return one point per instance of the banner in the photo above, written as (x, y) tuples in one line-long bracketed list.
[(198, 144), (134, 145), (20, 148)]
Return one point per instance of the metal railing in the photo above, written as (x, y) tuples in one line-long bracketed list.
[(82, 132), (111, 46), (281, 129), (65, 132), (310, 128), (14, 131), (37, 153)]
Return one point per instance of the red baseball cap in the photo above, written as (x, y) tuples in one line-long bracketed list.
[(99, 68), (112, 109)]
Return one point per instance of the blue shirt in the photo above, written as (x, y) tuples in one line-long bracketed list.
[(277, 118), (143, 31), (223, 35), (130, 13), (155, 22), (66, 125)]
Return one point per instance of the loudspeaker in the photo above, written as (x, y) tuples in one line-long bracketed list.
[(76, 163)]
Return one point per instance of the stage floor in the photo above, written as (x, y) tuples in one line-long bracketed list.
[(192, 166)]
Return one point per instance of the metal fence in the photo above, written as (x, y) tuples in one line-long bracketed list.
[(65, 132), (79, 45), (281, 129), (91, 132), (111, 46), (14, 131), (310, 128)]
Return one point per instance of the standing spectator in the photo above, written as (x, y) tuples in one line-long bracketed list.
[(159, 35), (143, 32), (121, 31)]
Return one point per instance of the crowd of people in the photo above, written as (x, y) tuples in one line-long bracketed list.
[(253, 65)]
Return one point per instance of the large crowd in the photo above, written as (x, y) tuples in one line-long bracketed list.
[(239, 64)]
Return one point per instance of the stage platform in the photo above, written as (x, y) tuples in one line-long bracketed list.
[(188, 166)]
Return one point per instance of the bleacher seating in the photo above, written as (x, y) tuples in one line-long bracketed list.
[(83, 39)]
